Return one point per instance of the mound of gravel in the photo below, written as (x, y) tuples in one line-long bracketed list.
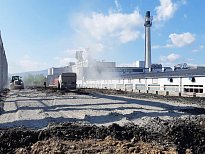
[(179, 134), (93, 146)]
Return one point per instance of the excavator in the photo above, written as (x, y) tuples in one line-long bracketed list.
[(16, 82)]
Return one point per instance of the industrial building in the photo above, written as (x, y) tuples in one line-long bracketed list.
[(54, 72), (144, 76), (181, 83), (3, 66), (59, 70), (153, 78)]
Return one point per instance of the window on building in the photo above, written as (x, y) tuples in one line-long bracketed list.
[(192, 79), (193, 88), (170, 79)]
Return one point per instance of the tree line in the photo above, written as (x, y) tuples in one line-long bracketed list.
[(34, 80)]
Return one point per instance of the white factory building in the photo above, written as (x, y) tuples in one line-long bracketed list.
[(59, 70), (161, 80), (144, 76), (184, 83)]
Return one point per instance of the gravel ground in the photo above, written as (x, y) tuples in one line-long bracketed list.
[(200, 101), (39, 120), (36, 108)]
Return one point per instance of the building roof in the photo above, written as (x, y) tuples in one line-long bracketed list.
[(178, 73)]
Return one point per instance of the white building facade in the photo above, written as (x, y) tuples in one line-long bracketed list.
[(176, 86)]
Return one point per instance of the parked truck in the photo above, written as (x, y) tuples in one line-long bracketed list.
[(67, 81)]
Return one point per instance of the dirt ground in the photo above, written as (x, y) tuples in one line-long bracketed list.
[(106, 146), (135, 125), (180, 136)]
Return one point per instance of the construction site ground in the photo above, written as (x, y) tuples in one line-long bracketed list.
[(39, 120)]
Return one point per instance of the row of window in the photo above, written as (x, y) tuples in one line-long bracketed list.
[(193, 88), (175, 88), (171, 88), (154, 87), (155, 80)]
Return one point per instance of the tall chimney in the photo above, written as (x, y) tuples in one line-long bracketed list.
[(147, 24)]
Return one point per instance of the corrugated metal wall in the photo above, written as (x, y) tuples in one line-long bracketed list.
[(3, 67)]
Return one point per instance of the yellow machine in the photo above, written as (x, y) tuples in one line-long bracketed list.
[(16, 83)]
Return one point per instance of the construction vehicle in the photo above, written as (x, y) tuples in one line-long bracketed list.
[(16, 82), (1, 107), (67, 81)]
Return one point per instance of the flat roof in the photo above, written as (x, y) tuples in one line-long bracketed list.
[(178, 73)]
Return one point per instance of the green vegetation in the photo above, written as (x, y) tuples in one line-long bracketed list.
[(34, 80)]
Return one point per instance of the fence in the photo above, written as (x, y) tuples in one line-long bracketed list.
[(3, 67)]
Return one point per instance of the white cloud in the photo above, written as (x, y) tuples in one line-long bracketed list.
[(180, 40), (185, 16), (189, 59), (183, 2), (66, 57), (26, 63), (64, 61), (170, 58), (124, 27), (99, 47), (165, 10), (118, 6), (156, 46), (128, 35), (70, 51), (195, 50), (201, 47), (102, 32)]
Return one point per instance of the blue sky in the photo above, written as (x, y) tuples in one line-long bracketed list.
[(41, 34)]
